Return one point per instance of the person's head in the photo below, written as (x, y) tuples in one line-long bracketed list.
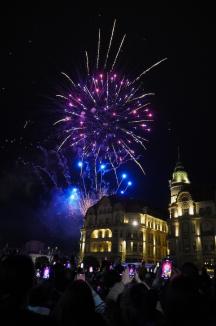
[(142, 272), (17, 276), (181, 301), (135, 304), (110, 278), (76, 304), (190, 270)]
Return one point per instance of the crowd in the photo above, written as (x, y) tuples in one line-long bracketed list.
[(109, 296)]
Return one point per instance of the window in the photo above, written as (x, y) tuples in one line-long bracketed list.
[(185, 227), (193, 227), (115, 234), (194, 246), (186, 246), (135, 247), (185, 211), (173, 212), (150, 237), (208, 210), (135, 235)]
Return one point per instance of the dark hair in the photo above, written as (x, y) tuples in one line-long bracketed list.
[(136, 305), (76, 304), (16, 279), (17, 274)]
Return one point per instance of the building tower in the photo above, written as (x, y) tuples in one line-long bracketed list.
[(192, 223)]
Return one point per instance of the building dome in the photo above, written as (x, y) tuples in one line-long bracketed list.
[(179, 174)]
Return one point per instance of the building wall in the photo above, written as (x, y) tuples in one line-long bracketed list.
[(110, 232)]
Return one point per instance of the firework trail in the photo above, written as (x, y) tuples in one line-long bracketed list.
[(71, 181)]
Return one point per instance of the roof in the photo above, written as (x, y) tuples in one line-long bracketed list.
[(179, 167), (131, 205)]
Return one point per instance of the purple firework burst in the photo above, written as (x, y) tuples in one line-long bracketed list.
[(106, 116)]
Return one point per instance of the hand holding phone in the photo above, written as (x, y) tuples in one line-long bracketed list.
[(81, 277), (126, 278)]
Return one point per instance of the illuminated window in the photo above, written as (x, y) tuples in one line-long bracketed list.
[(94, 234)]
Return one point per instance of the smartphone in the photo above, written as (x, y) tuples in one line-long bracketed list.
[(38, 274), (68, 264), (166, 269), (131, 271), (90, 269), (46, 273)]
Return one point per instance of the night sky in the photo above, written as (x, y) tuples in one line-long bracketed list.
[(38, 43)]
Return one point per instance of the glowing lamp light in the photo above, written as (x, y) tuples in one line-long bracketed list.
[(74, 190), (129, 183), (72, 197), (122, 192), (80, 164), (134, 223), (124, 176)]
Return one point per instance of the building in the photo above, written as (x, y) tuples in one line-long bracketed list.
[(123, 230), (192, 223)]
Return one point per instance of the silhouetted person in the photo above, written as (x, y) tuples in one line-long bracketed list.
[(137, 306), (183, 303), (16, 279), (76, 306)]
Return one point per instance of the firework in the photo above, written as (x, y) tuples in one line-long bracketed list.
[(107, 115), (71, 181)]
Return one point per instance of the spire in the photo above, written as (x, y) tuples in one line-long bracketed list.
[(178, 153), (179, 166)]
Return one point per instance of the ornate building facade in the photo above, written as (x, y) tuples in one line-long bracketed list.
[(192, 224), (123, 230)]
